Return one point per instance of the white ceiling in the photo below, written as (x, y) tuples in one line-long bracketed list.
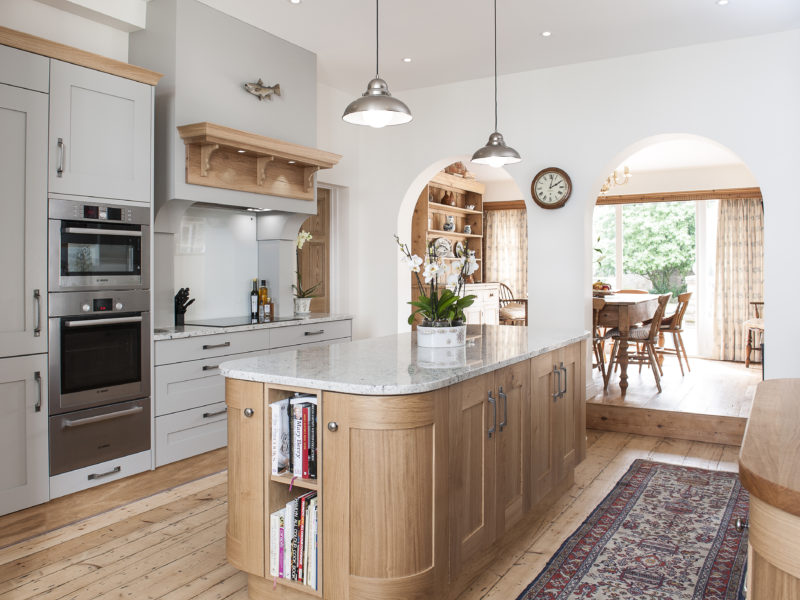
[(451, 40)]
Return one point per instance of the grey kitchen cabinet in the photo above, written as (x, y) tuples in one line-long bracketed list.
[(100, 134), (23, 221), (24, 477)]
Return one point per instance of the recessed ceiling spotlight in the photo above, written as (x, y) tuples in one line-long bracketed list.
[(240, 151), (722, 2), (546, 34), (295, 1), (291, 162), (407, 59)]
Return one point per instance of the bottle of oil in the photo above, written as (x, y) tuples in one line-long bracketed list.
[(264, 312), (254, 303)]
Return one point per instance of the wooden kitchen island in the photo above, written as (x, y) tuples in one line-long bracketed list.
[(429, 462)]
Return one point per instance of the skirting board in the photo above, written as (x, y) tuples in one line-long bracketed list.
[(665, 423)]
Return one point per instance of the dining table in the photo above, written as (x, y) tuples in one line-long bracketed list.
[(622, 311)]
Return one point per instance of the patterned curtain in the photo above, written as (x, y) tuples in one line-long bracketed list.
[(740, 273), (506, 254)]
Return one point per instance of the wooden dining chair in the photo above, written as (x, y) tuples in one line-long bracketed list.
[(754, 328), (513, 311), (598, 339), (646, 337), (674, 324)]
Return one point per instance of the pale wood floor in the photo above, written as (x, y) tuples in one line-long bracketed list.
[(713, 387), (171, 545)]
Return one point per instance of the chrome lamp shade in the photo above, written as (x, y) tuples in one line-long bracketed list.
[(495, 153), (376, 107)]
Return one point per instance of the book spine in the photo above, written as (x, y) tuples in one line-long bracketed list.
[(273, 544), (312, 442), (281, 546), (301, 530), (295, 538), (297, 441), (288, 538), (306, 420), (275, 414)]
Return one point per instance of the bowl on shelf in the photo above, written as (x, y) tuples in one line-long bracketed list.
[(470, 207)]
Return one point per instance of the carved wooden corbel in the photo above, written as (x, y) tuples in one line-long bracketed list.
[(206, 150), (261, 168)]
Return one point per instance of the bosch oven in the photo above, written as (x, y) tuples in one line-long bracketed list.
[(98, 246)]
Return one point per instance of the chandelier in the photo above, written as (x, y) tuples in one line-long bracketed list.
[(616, 178)]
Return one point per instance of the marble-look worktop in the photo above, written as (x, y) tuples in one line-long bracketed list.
[(393, 364), (186, 331)]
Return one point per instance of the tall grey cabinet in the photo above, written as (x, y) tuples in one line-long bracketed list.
[(23, 273)]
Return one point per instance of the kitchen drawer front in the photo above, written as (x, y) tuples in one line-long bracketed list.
[(311, 345), (208, 346), (190, 432), (185, 385), (111, 470), (25, 70), (313, 332)]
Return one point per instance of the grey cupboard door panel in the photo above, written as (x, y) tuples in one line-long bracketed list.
[(103, 123), (24, 69), (24, 477), (23, 221)]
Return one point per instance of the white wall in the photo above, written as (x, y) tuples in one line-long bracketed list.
[(697, 90), (680, 180), (216, 257), (64, 27)]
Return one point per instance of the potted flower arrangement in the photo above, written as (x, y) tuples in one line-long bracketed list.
[(302, 297), (442, 307)]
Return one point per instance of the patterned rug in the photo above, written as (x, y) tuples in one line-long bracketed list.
[(665, 532)]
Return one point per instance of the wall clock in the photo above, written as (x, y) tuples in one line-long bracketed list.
[(551, 188)]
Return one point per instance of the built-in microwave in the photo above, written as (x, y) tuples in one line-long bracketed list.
[(98, 246)]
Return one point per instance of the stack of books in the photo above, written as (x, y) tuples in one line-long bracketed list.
[(293, 541), (294, 436)]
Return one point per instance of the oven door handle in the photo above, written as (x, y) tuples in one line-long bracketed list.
[(100, 418), (92, 231), (93, 322)]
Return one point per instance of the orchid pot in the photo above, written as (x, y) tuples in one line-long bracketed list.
[(302, 306), (441, 337)]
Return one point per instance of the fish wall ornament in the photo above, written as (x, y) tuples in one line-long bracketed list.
[(261, 91)]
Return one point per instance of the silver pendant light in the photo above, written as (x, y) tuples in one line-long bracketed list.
[(495, 153), (376, 107)]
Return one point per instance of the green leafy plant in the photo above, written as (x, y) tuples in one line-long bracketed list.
[(299, 292), (441, 305)]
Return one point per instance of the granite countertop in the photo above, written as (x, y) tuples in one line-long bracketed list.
[(185, 331), (394, 364)]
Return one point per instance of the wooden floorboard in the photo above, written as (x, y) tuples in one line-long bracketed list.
[(170, 545)]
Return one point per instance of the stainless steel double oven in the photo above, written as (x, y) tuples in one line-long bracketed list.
[(99, 328)]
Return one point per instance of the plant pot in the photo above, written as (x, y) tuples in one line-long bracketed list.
[(441, 337), (302, 306)]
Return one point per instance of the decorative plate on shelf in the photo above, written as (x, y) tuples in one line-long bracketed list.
[(458, 251), (442, 247)]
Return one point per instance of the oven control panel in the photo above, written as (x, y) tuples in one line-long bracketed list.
[(64, 304), (69, 210)]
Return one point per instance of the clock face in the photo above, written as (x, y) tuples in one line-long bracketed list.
[(551, 188)]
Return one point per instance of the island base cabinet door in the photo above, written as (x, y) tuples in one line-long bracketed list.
[(24, 473), (571, 428), (543, 422), (23, 221), (473, 431), (385, 497), (513, 455), (246, 475), (100, 134)]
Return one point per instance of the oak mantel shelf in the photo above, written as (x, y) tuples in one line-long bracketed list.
[(221, 157)]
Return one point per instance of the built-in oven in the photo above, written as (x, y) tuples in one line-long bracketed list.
[(99, 348), (98, 246)]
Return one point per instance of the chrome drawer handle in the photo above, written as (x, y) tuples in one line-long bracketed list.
[(106, 474), (210, 367), (215, 414), (212, 346), (319, 332), (37, 302), (37, 377), (100, 418), (62, 147)]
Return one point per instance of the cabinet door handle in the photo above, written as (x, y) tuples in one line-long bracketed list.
[(502, 394), (564, 369), (248, 412), (493, 402), (62, 148), (106, 474), (212, 346), (37, 311), (210, 367), (318, 332), (37, 377), (215, 414), (557, 393)]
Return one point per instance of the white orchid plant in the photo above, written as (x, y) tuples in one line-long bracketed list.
[(443, 307), (299, 292)]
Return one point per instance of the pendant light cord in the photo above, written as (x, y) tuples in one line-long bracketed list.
[(377, 39), (495, 64)]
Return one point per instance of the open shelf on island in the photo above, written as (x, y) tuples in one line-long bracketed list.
[(306, 484)]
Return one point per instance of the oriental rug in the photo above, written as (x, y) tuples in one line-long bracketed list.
[(665, 532)]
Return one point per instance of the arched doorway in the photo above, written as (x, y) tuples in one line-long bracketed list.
[(435, 196), (688, 221)]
